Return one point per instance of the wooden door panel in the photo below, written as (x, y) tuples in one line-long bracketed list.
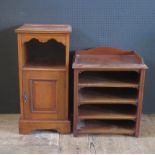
[(45, 93)]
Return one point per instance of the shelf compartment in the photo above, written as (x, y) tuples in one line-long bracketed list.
[(50, 53), (107, 112), (109, 79), (107, 96), (106, 127)]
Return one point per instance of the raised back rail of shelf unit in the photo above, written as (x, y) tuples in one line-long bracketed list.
[(108, 58)]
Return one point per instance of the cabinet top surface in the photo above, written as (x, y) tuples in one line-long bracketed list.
[(44, 28), (108, 58)]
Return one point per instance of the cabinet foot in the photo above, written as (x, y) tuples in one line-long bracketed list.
[(27, 126), (25, 130), (64, 130)]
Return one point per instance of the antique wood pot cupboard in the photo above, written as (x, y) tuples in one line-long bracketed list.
[(108, 91), (43, 55)]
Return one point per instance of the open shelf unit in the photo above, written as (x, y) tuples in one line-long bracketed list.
[(108, 91), (105, 106)]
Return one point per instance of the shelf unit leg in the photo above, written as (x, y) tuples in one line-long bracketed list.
[(75, 103), (75, 133), (140, 100)]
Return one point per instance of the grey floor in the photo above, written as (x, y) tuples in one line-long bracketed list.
[(52, 142)]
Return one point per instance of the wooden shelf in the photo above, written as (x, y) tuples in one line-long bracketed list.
[(92, 96), (106, 130), (107, 112), (44, 67), (108, 79), (105, 127)]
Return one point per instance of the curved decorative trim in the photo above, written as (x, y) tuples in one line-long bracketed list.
[(39, 40)]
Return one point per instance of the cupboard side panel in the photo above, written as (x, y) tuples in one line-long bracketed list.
[(20, 62)]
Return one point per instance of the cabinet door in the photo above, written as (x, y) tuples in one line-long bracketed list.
[(44, 94)]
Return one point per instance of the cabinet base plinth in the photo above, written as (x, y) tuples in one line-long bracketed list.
[(27, 126)]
